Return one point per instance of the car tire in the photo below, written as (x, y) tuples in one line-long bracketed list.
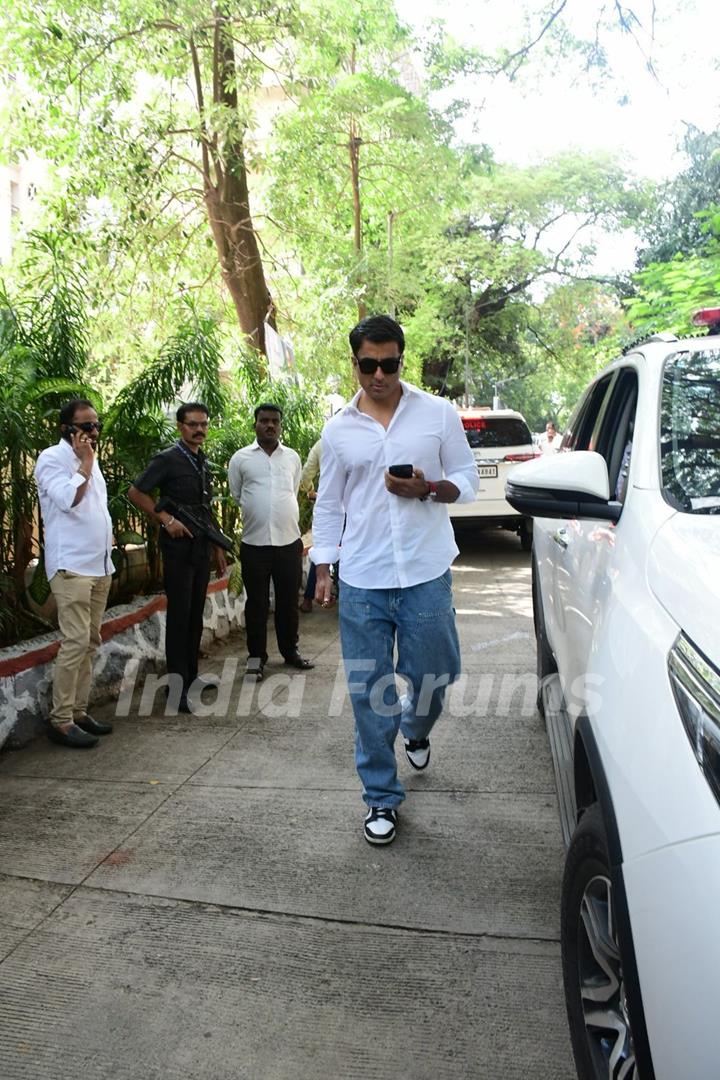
[(525, 532), (546, 666), (595, 993)]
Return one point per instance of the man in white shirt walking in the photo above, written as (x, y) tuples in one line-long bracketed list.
[(78, 548), (391, 461), (264, 478)]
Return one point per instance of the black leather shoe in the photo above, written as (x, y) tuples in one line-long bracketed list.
[(93, 727), (254, 668), (79, 740), (298, 661)]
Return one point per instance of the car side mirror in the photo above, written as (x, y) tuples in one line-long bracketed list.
[(566, 485)]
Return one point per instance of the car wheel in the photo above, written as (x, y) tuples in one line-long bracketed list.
[(595, 994), (525, 532)]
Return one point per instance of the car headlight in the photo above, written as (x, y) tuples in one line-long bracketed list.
[(696, 685)]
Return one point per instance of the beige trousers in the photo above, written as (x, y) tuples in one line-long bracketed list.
[(81, 601)]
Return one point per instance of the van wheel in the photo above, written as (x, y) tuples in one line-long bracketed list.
[(595, 996), (525, 532)]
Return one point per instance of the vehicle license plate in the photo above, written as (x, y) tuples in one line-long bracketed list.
[(487, 470)]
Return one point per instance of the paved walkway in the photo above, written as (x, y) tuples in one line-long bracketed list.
[(194, 899)]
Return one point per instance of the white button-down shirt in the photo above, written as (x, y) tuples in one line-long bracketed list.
[(390, 542), (311, 469), (550, 445), (266, 486), (77, 538)]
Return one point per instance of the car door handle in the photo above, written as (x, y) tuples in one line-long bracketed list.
[(560, 537)]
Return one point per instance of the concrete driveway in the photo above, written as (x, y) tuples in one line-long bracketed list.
[(194, 899)]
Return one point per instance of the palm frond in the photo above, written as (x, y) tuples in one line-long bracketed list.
[(187, 365)]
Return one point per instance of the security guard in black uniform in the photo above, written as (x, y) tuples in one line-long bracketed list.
[(181, 474)]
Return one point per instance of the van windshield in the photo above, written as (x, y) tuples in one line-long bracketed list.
[(492, 431), (690, 431)]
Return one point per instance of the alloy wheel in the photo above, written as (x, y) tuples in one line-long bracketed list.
[(602, 987)]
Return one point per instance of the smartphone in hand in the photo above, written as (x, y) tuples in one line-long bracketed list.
[(402, 472)]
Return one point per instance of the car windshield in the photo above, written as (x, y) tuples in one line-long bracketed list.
[(491, 431), (690, 431)]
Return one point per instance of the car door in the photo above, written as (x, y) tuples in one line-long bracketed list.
[(552, 536), (586, 550)]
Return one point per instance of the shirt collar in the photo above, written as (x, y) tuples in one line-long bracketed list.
[(255, 445), (180, 445), (407, 388)]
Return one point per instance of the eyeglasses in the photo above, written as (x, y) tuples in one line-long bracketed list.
[(368, 365), (88, 425), (204, 424)]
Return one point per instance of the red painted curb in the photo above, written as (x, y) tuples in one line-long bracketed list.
[(110, 628)]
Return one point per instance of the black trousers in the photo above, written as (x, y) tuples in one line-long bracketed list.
[(186, 573), (283, 565)]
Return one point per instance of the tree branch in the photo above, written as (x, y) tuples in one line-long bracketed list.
[(190, 162), (547, 225), (201, 110), (627, 18), (521, 54), (156, 25)]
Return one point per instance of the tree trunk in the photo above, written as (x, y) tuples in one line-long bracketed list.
[(227, 199), (240, 261), (354, 144)]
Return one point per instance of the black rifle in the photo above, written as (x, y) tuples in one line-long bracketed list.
[(193, 523)]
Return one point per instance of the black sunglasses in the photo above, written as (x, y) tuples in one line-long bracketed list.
[(369, 366), (87, 426)]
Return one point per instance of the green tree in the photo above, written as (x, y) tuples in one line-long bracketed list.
[(668, 293), (44, 361), (43, 353), (475, 283), (151, 108), (680, 268), (679, 225), (361, 150)]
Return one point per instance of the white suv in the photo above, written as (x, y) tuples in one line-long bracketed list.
[(499, 439), (626, 591)]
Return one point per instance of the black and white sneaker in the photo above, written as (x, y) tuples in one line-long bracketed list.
[(417, 752), (380, 825)]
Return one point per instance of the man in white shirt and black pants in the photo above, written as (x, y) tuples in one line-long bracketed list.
[(78, 549), (392, 461), (264, 478)]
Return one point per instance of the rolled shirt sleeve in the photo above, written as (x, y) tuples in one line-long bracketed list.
[(457, 459)]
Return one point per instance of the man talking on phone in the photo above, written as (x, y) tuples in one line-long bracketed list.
[(78, 548), (393, 459)]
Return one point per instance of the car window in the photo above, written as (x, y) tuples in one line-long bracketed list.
[(690, 431), (613, 435), (583, 422), (492, 431)]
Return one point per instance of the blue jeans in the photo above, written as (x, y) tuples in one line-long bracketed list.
[(421, 621)]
